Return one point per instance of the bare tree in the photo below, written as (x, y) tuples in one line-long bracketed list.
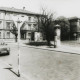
[(47, 24)]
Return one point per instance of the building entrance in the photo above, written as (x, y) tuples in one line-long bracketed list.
[(23, 34)]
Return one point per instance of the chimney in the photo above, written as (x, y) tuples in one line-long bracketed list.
[(12, 7), (23, 8)]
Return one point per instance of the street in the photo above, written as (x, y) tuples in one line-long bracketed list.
[(38, 64)]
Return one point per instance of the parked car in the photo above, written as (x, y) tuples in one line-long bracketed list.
[(4, 50)]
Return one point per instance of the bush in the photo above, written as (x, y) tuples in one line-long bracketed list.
[(37, 43)]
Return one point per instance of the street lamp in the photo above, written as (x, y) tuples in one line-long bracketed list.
[(18, 26)]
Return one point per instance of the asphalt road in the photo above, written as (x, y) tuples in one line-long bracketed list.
[(37, 64)]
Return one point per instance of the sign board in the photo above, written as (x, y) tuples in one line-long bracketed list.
[(38, 36)]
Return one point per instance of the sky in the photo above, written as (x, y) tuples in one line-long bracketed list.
[(66, 8)]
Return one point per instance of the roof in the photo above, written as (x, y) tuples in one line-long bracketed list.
[(17, 10), (74, 18)]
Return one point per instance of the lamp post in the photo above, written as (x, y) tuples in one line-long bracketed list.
[(18, 26)]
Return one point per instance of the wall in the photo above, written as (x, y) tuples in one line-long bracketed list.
[(10, 17)]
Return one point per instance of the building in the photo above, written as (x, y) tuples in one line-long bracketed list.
[(74, 28), (10, 15)]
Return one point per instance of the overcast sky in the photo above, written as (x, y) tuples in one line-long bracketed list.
[(67, 8)]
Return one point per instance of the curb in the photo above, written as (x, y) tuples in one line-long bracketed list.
[(23, 45), (51, 50)]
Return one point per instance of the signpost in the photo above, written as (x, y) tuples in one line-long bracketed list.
[(18, 25)]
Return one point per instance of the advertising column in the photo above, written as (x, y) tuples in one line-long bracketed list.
[(57, 31)]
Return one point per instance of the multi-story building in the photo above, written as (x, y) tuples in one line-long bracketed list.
[(74, 28), (10, 15)]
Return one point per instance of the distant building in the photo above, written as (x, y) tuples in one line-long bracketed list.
[(74, 28), (6, 19)]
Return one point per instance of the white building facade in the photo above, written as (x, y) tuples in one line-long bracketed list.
[(10, 15)]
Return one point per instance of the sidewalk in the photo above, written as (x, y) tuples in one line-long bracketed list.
[(62, 48), (66, 48), (6, 74)]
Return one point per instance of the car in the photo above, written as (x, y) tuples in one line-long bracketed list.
[(4, 50)]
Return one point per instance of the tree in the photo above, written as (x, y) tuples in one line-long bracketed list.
[(47, 24), (14, 30), (65, 27)]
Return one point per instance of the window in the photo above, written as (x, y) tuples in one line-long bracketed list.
[(0, 15), (35, 26), (29, 34), (0, 24), (22, 15), (8, 17), (29, 26), (8, 25), (35, 19), (15, 14), (0, 34), (29, 18), (8, 34)]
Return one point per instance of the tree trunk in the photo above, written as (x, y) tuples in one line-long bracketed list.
[(15, 38), (48, 43)]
